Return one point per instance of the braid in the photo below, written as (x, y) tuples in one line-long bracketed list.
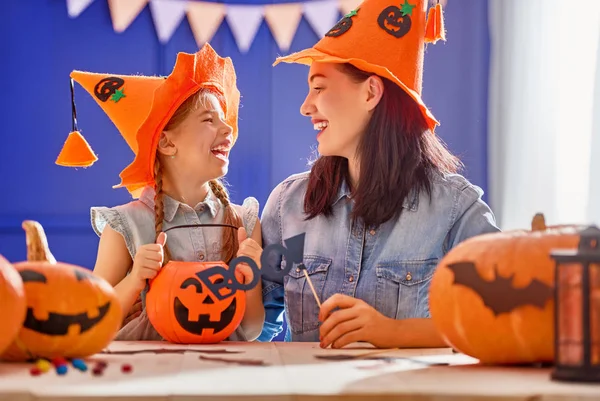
[(159, 210), (230, 241)]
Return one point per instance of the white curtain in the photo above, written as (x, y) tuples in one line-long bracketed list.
[(544, 111)]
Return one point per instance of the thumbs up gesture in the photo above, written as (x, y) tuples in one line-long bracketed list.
[(250, 248), (149, 259)]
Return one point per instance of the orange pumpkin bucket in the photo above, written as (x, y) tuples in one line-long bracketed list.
[(197, 302)]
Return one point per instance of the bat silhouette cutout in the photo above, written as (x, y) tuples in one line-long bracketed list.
[(499, 294)]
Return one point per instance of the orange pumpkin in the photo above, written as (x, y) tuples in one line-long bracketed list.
[(12, 299), (492, 297), (70, 312), (183, 309)]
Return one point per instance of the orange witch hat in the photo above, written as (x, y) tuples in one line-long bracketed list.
[(141, 106), (385, 37), (126, 99)]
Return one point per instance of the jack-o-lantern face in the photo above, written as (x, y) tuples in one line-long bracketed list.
[(394, 21), (213, 317), (340, 28), (342, 25), (59, 324), (70, 312), (183, 309)]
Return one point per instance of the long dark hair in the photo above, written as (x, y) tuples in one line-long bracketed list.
[(397, 153)]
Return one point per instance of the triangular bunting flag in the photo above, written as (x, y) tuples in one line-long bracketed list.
[(204, 19), (321, 15), (283, 19), (123, 12), (76, 7), (244, 22), (167, 15), (349, 5)]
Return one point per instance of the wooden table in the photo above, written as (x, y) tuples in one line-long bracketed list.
[(291, 372)]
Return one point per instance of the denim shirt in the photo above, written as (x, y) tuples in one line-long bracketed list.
[(135, 222), (390, 267)]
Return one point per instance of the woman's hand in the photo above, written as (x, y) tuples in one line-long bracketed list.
[(355, 320)]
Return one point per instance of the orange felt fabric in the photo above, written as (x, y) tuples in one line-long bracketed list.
[(373, 44), (76, 152), (140, 107)]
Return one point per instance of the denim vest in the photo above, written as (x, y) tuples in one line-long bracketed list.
[(390, 267), (135, 222)]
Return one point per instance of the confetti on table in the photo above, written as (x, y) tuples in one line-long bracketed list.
[(79, 364), (43, 365), (172, 351), (249, 362)]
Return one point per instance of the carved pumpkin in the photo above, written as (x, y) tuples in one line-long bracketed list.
[(183, 309), (70, 312), (394, 21), (12, 299), (492, 297)]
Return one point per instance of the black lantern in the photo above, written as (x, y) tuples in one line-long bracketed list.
[(577, 310)]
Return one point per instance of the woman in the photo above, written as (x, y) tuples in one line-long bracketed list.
[(383, 203)]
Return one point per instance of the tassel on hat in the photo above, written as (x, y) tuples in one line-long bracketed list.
[(435, 30), (76, 152)]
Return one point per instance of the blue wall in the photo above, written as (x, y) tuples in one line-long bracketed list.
[(40, 45)]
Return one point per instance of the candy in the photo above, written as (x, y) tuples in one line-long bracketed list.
[(58, 361), (61, 369), (79, 364), (35, 371), (43, 365), (126, 368)]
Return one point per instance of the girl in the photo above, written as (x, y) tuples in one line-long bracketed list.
[(188, 127), (383, 203)]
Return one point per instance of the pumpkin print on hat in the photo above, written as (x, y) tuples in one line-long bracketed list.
[(342, 25), (492, 297), (183, 309), (12, 299), (70, 312), (396, 20), (383, 37)]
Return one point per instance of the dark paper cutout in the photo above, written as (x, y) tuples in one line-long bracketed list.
[(270, 259), (84, 275), (58, 324), (245, 362), (395, 21), (107, 87), (368, 356), (342, 25), (197, 327), (499, 295), (29, 276), (171, 351)]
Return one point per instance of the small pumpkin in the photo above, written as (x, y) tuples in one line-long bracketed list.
[(70, 312), (12, 299), (394, 21), (183, 309), (492, 298)]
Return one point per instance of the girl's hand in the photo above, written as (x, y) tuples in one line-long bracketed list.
[(149, 259), (250, 248)]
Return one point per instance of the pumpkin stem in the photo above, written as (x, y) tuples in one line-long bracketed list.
[(538, 223), (37, 243)]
